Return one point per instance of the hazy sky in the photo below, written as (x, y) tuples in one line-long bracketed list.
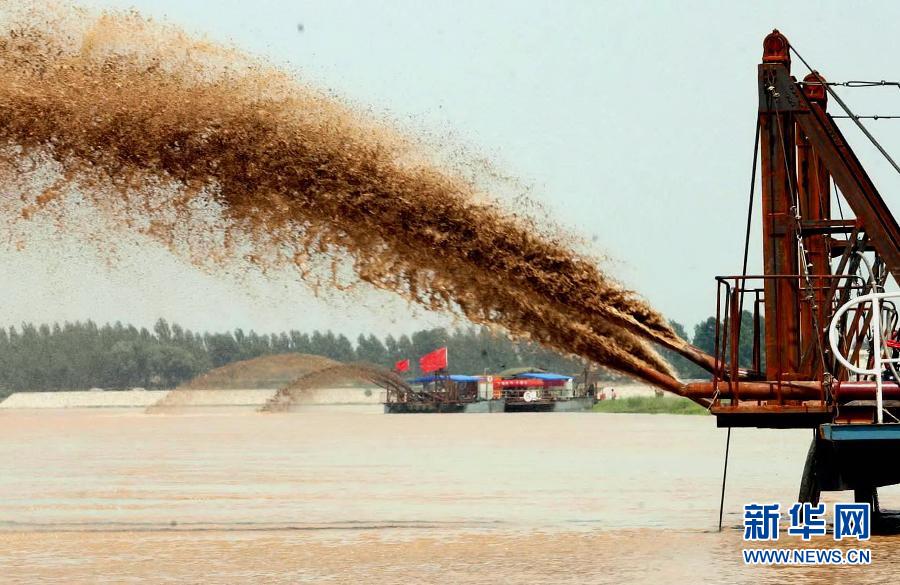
[(631, 121)]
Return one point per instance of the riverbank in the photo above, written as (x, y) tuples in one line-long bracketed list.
[(650, 405), (173, 399)]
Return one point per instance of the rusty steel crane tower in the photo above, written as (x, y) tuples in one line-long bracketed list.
[(823, 328)]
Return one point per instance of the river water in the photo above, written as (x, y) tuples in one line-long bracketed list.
[(354, 496)]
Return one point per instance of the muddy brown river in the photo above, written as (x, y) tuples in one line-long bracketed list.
[(354, 496)]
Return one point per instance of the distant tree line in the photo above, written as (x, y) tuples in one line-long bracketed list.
[(704, 338), (83, 355)]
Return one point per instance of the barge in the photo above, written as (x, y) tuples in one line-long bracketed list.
[(528, 391)]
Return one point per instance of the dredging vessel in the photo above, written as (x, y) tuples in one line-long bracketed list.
[(530, 390), (823, 324)]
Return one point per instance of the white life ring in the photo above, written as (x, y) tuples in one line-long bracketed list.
[(529, 396)]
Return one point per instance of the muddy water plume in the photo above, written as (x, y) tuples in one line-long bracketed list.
[(330, 376), (159, 130)]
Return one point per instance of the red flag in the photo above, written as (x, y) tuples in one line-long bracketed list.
[(434, 361), (402, 366)]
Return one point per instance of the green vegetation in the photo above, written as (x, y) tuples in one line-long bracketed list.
[(82, 355), (650, 405), (705, 338)]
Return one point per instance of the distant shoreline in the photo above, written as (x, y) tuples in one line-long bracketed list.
[(650, 405)]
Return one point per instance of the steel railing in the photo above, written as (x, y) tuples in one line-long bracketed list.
[(877, 357)]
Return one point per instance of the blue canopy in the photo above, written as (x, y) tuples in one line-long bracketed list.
[(451, 377), (543, 376)]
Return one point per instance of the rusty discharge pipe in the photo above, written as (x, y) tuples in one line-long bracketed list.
[(802, 390), (674, 343), (664, 381), (695, 355), (796, 390)]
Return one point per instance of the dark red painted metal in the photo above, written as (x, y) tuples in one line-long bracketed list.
[(801, 390), (778, 164), (776, 49), (855, 184), (814, 198), (801, 149), (814, 89)]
